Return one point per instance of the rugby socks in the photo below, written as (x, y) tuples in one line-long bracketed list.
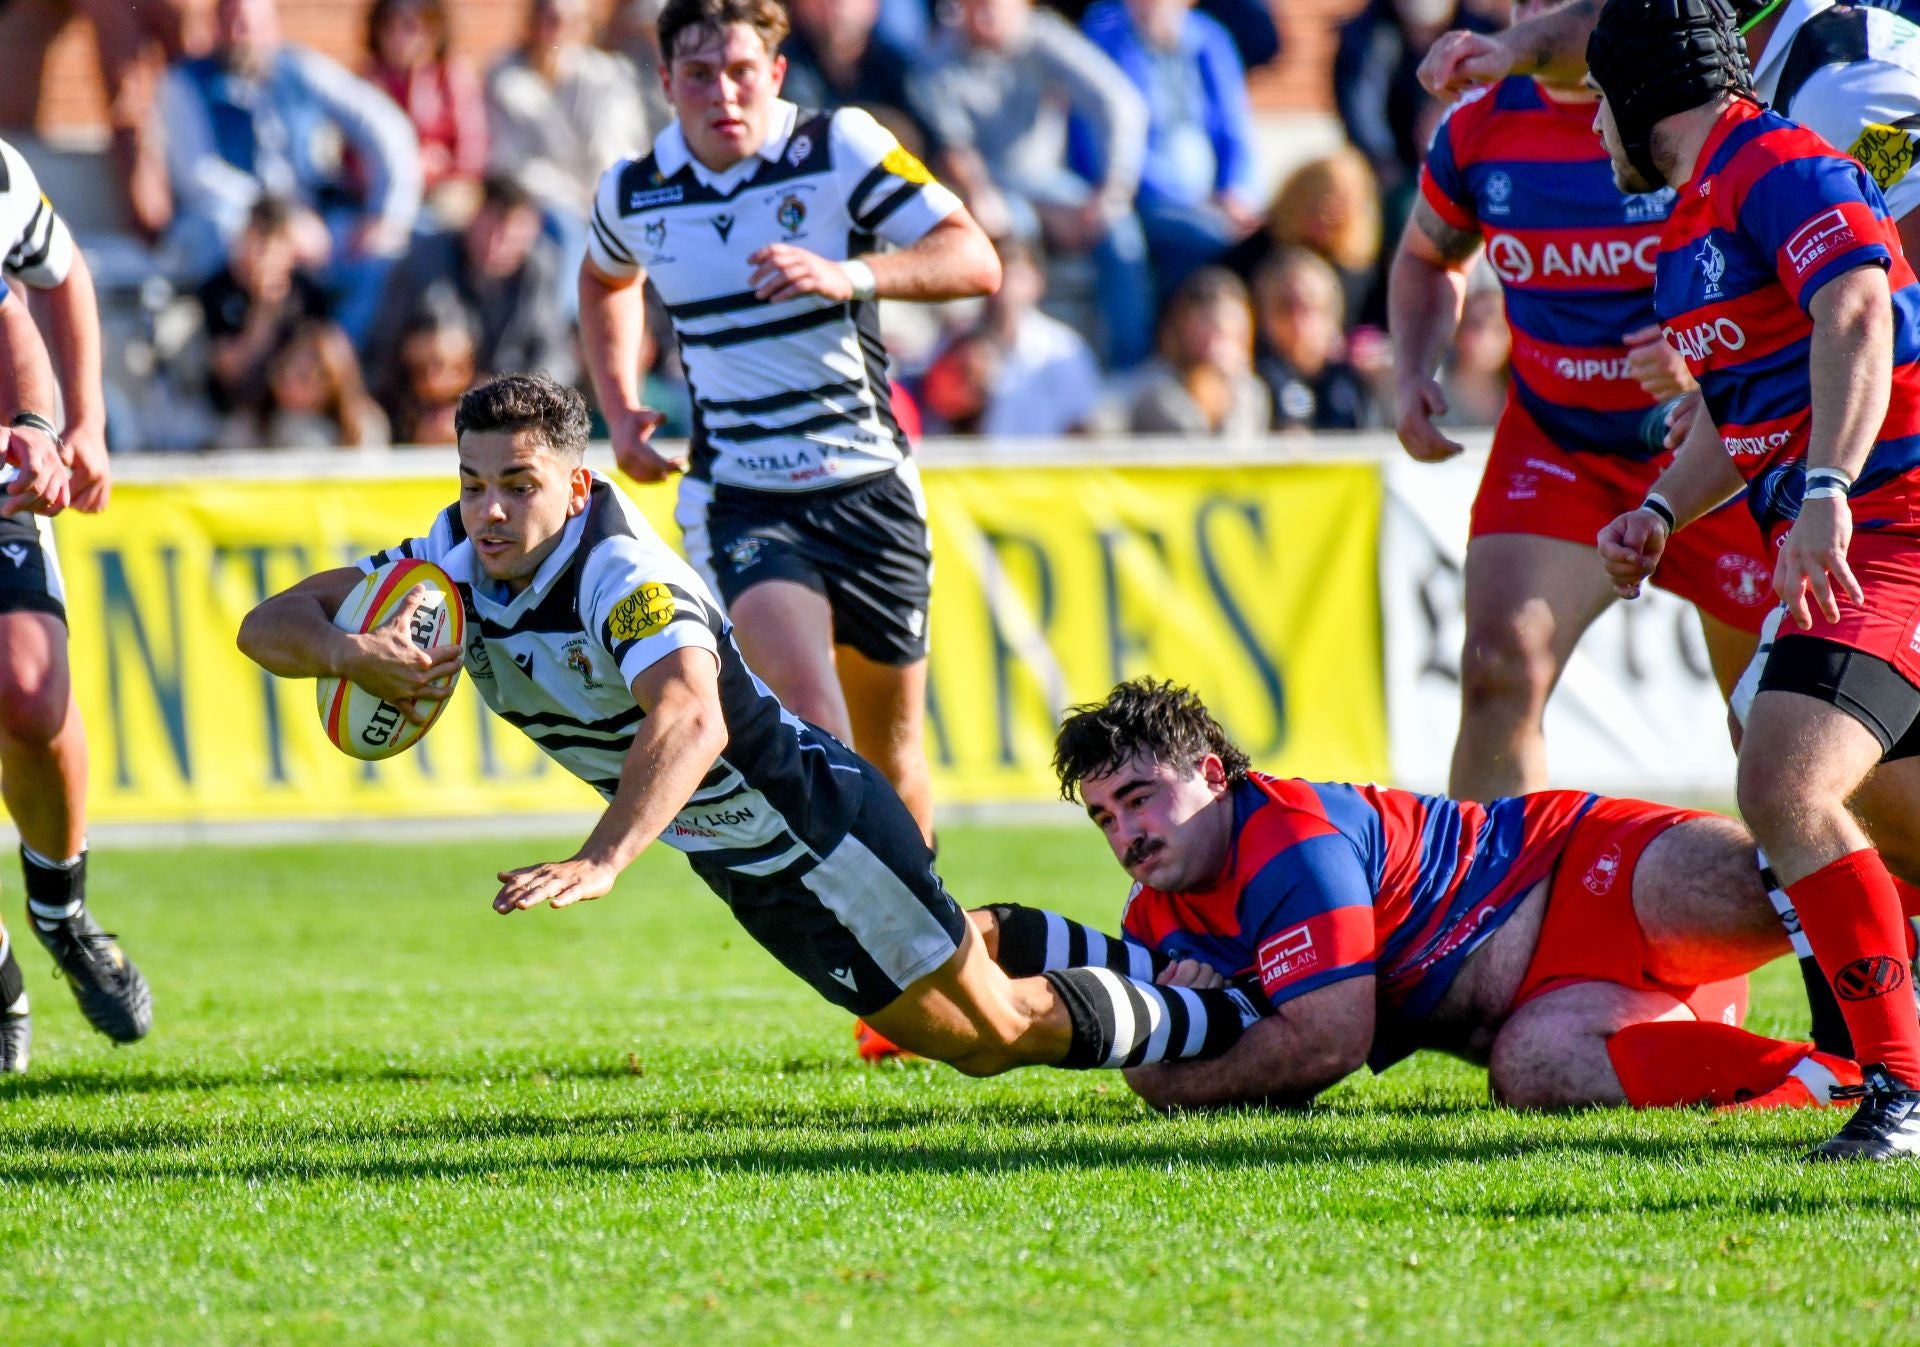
[(1035, 941), (1672, 1063), (1120, 1021), (1829, 1030), (56, 890), (1851, 916)]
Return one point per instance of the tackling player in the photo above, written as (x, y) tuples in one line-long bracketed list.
[(43, 747), (760, 225), (1582, 435), (1781, 280), (1587, 950), (605, 649)]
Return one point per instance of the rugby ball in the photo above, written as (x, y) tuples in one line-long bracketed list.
[(359, 723)]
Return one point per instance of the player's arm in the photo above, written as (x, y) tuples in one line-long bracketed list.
[(292, 635), (39, 481), (953, 260), (683, 732), (1426, 290), (73, 327), (1700, 478), (1850, 367), (1307, 1044), (613, 334), (1552, 45)]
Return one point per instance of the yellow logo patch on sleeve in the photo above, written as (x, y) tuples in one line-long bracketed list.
[(901, 163), (1884, 151), (642, 613)]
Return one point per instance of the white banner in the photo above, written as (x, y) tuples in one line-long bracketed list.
[(1637, 712)]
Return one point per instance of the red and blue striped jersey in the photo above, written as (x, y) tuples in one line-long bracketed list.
[(1326, 882), (1772, 214), (1575, 256)]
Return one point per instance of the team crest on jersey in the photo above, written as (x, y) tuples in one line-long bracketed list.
[(1713, 266), (642, 613), (479, 663), (655, 234), (1499, 194), (1744, 579), (792, 215), (581, 663), (1884, 151)]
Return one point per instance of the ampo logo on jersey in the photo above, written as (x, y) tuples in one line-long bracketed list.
[(1610, 258), (1697, 342)]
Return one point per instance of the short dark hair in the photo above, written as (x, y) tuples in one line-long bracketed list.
[(505, 193), (1144, 717), (517, 402), (768, 18)]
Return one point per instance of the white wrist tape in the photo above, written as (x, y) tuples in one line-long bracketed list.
[(865, 284)]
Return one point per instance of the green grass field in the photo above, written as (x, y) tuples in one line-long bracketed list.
[(372, 1111)]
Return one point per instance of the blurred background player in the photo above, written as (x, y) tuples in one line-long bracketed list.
[(1781, 280), (801, 504), (43, 747), (1580, 438)]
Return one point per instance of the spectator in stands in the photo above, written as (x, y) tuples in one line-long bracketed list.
[(559, 110), (263, 116), (997, 90), (836, 59), (1301, 351), (409, 58), (314, 398), (1203, 382), (1256, 38), (1375, 82), (633, 31), (437, 364), (1045, 378), (251, 305), (500, 273), (1474, 378), (1329, 206), (957, 387), (1197, 189)]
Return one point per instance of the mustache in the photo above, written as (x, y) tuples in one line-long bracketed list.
[(1142, 848)]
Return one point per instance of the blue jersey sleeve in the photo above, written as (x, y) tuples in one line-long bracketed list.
[(1816, 217), (1308, 913)]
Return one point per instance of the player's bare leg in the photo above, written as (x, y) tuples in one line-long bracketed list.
[(1888, 807), (1700, 901), (1552, 1052), (785, 631), (887, 705), (43, 778), (1528, 601)]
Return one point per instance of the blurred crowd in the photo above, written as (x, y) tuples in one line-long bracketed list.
[(332, 254)]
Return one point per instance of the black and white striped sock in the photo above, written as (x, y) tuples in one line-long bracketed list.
[(1121, 1021), (1035, 941), (1829, 1032)]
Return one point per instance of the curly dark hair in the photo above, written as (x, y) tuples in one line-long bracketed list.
[(768, 18), (1143, 717), (516, 402)]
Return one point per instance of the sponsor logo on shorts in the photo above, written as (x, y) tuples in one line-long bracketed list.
[(1604, 870), (1286, 956), (1523, 486), (1559, 470), (1865, 979), (17, 553), (1913, 641), (1818, 238), (1744, 579), (745, 552)]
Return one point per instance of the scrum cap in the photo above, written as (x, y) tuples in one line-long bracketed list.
[(1655, 58)]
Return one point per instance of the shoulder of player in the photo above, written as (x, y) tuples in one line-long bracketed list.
[(619, 551), (637, 186)]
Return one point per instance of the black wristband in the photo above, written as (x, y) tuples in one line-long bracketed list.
[(35, 421), (1660, 507)]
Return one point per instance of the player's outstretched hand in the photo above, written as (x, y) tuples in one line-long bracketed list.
[(1190, 973), (556, 883), (1813, 556), (1655, 365), (1460, 60), (40, 483), (84, 447), (782, 271), (1630, 548), (1680, 419), (1420, 401), (388, 664), (634, 453)]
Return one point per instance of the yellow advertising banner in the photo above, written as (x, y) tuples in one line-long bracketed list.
[(1257, 585)]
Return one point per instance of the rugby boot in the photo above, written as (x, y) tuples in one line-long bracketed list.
[(16, 1038), (873, 1046), (1885, 1127), (112, 994)]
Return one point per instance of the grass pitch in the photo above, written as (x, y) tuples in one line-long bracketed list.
[(373, 1111)]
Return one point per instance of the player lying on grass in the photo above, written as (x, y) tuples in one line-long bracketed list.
[(588, 634), (1587, 950)]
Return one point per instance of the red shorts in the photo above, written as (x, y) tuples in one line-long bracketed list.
[(1718, 564), (1590, 933), (1887, 625)]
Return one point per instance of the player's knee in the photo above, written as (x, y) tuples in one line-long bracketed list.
[(32, 710), (1771, 800), (1503, 663), (1520, 1074)]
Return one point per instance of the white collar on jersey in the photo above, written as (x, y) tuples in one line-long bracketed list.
[(1767, 70), (492, 598), (670, 152)]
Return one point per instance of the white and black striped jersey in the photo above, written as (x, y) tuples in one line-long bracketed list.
[(789, 396), (558, 660), (37, 246)]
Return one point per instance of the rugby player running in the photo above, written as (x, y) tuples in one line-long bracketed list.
[(1781, 280), (592, 637), (760, 224)]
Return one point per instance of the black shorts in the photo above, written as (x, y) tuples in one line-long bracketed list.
[(864, 922), (864, 546), (1865, 686), (30, 580)]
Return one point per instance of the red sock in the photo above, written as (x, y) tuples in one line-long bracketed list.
[(1851, 915), (1677, 1062)]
